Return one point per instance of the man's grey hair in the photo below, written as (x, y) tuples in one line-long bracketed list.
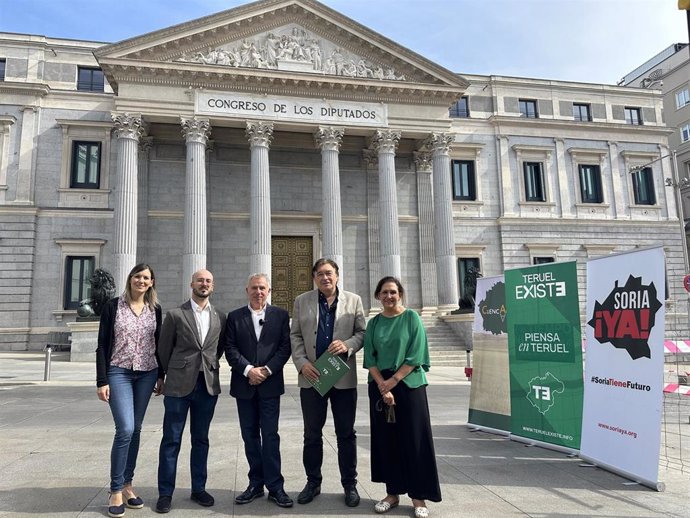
[(258, 275)]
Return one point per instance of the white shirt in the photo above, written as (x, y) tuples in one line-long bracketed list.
[(202, 317), (258, 318)]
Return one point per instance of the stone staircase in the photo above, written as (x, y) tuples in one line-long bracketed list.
[(445, 347)]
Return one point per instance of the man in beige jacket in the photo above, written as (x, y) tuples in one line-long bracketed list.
[(328, 319)]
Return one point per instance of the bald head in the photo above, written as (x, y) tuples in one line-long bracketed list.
[(202, 286)]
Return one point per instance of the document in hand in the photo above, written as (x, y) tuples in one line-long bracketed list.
[(331, 368)]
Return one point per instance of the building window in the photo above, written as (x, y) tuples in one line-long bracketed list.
[(3, 63), (464, 184), (78, 271), (468, 268), (543, 260), (528, 109), (685, 132), (461, 109), (633, 116), (86, 165), (682, 98), (590, 184), (534, 181), (581, 112), (643, 186), (89, 79)]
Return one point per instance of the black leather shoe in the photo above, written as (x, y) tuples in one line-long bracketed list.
[(250, 494), (351, 497), (280, 497), (163, 504), (308, 493), (203, 498)]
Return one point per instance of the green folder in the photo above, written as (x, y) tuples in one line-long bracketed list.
[(331, 368)]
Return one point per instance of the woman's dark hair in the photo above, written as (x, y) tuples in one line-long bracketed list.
[(389, 278), (150, 297)]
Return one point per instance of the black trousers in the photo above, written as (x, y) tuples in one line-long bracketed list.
[(402, 453), (343, 408)]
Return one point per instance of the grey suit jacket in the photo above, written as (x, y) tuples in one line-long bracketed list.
[(182, 355), (350, 326)]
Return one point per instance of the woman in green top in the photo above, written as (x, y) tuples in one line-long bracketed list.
[(396, 352)]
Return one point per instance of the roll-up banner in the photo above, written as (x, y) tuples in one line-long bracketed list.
[(490, 390), (625, 364), (545, 352)]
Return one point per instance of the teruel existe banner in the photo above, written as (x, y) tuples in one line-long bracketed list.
[(545, 350)]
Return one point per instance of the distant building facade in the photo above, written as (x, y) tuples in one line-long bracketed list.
[(669, 71), (268, 135)]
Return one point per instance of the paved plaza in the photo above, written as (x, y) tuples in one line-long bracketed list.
[(55, 439)]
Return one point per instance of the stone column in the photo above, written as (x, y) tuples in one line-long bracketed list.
[(145, 144), (27, 148), (128, 130), (371, 162), (385, 142), (195, 132), (260, 135), (444, 239), (328, 139), (564, 182), (425, 209), (6, 122)]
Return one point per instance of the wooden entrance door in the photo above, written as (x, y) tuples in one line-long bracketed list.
[(291, 259)]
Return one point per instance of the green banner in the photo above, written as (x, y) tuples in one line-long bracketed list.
[(545, 353)]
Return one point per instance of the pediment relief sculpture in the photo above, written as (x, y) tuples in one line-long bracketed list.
[(293, 49)]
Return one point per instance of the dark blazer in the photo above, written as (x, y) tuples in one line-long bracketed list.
[(271, 350), (106, 339), (182, 354)]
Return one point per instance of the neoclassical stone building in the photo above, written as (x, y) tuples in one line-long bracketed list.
[(265, 136)]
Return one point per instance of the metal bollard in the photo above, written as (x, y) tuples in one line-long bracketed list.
[(46, 370)]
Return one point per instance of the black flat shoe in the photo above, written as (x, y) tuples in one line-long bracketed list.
[(116, 511), (280, 498), (308, 493), (163, 504), (250, 494), (134, 503), (203, 498)]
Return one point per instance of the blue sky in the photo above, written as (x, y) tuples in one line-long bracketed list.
[(581, 40)]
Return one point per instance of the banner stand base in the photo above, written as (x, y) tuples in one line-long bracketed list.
[(546, 445), (655, 485), (479, 428)]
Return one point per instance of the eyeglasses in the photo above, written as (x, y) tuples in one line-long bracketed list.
[(329, 273)]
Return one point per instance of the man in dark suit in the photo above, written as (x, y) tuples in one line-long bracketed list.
[(328, 319), (189, 353), (257, 345)]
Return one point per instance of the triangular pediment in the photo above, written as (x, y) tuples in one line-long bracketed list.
[(298, 41)]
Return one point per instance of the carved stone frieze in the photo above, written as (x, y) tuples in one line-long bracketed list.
[(195, 130), (294, 49), (128, 126), (328, 137), (259, 133), (385, 141)]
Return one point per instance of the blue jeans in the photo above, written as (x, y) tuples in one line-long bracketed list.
[(200, 405), (130, 392)]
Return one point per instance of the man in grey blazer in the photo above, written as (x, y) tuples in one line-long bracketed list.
[(189, 354), (328, 319)]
